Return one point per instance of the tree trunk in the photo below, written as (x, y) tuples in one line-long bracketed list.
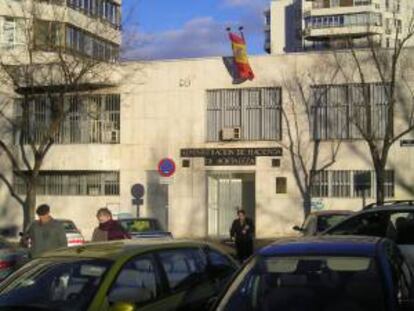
[(380, 181), (307, 204), (29, 205)]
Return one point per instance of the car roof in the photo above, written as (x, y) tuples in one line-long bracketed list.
[(116, 249), (323, 245), (332, 212)]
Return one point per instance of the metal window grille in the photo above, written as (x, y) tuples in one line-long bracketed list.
[(88, 119), (73, 183), (344, 111), (256, 110), (341, 184), (320, 184)]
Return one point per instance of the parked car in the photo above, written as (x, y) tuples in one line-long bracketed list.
[(393, 219), (10, 258), (317, 222), (151, 274), (73, 234), (322, 274), (144, 228)]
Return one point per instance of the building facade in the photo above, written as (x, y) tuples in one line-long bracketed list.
[(300, 25), (229, 145)]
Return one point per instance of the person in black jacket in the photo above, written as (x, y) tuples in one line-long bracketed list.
[(242, 232)]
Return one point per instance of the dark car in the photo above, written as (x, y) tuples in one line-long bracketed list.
[(147, 274), (144, 228), (394, 220), (317, 222), (322, 274), (10, 258)]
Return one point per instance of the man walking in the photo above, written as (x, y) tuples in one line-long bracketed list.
[(242, 232), (45, 234)]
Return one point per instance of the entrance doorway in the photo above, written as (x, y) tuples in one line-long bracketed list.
[(157, 199), (228, 191)]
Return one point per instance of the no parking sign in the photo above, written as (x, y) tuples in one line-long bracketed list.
[(166, 167)]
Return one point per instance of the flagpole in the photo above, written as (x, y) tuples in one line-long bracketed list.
[(241, 31)]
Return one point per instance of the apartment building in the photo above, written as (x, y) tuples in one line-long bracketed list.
[(68, 48), (303, 25)]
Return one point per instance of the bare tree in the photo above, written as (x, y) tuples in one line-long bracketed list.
[(381, 125), (41, 72), (309, 155)]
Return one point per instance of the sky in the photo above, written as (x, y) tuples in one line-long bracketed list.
[(169, 29)]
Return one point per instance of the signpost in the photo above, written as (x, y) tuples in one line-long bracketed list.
[(137, 192)]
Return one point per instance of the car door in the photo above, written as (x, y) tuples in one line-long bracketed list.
[(138, 282), (188, 285), (220, 268), (401, 278)]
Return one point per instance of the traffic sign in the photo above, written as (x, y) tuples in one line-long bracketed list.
[(166, 167), (137, 191)]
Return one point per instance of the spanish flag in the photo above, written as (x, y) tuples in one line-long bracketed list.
[(238, 45)]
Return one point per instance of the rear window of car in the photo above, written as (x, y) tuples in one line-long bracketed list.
[(140, 225), (322, 283), (327, 221), (69, 226), (4, 244)]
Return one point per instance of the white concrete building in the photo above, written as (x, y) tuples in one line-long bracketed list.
[(227, 143), (301, 25)]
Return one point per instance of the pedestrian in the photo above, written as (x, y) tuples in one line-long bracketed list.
[(108, 229), (44, 234), (242, 232)]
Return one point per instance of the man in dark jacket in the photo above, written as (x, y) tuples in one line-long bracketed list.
[(108, 228), (45, 234), (242, 232)]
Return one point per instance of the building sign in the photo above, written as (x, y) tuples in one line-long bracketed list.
[(230, 156), (407, 143)]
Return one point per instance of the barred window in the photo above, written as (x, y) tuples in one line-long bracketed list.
[(88, 119), (348, 184), (256, 111), (320, 184), (73, 183), (343, 111)]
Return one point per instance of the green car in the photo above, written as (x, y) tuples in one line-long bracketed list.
[(148, 275)]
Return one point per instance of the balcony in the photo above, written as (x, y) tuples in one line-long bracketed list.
[(342, 25), (355, 31)]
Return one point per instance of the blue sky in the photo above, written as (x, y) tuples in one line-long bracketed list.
[(163, 29)]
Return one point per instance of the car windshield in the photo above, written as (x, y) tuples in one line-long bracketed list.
[(327, 221), (61, 285), (140, 225), (69, 226), (306, 284)]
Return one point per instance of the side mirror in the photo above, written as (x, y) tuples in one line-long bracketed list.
[(297, 228), (122, 306)]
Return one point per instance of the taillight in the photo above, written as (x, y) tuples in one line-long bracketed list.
[(76, 241), (5, 264)]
